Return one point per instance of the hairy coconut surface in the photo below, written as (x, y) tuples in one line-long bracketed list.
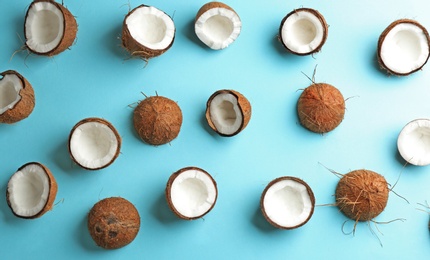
[(413, 142), (16, 97), (321, 108), (31, 191), (157, 120), (362, 194), (113, 223), (49, 28), (228, 112)]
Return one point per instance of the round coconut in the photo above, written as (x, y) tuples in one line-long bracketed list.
[(228, 112), (16, 97), (94, 143), (157, 120), (403, 47), (49, 28), (31, 191), (321, 108), (147, 32), (113, 223), (287, 202), (362, 194), (303, 31)]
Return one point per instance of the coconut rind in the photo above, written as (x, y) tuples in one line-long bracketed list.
[(53, 188), (243, 104), (69, 33), (101, 121), (113, 223), (308, 189), (382, 38), (320, 18), (211, 5), (169, 194), (135, 48), (24, 107)]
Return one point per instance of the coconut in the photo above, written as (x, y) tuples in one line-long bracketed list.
[(31, 191), (94, 143), (49, 28), (413, 142), (362, 194), (321, 108), (157, 120), (287, 202), (16, 97), (191, 193), (113, 223), (217, 25), (147, 32), (403, 47), (228, 112), (303, 31)]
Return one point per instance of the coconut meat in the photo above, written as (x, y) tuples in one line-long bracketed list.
[(44, 27), (151, 27), (302, 32), (93, 145), (287, 203), (10, 87), (28, 190), (414, 142), (218, 27), (225, 113), (405, 48), (193, 193)]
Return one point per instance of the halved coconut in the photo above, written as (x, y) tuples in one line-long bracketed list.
[(31, 191), (228, 112), (303, 31), (191, 193), (403, 47), (147, 32), (413, 142), (49, 28), (217, 25), (94, 143), (287, 202), (16, 97)]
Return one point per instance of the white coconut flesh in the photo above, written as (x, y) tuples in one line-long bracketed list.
[(151, 27), (93, 145), (218, 27), (28, 190), (10, 87), (193, 193), (44, 27), (225, 113), (302, 32), (287, 203), (414, 142), (405, 48)]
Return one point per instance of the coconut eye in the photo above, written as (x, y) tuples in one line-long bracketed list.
[(413, 142)]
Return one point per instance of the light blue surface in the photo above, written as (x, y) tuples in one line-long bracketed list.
[(94, 79)]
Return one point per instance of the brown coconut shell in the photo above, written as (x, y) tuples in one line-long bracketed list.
[(308, 189), (362, 194), (321, 108), (320, 18), (70, 29), (53, 188), (384, 34), (101, 121), (134, 47), (157, 120), (244, 107), (23, 107), (169, 194), (113, 223), (212, 5)]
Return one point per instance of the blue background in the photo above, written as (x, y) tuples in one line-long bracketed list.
[(95, 79)]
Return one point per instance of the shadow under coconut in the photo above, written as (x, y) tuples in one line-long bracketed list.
[(161, 211), (189, 32), (83, 237), (62, 158), (112, 41), (261, 223)]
